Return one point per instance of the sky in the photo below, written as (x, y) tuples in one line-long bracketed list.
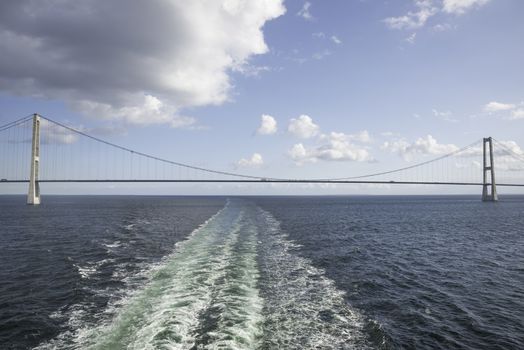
[(272, 88)]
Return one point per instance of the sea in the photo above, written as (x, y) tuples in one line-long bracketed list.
[(338, 272)]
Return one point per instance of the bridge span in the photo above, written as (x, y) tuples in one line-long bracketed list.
[(57, 153)]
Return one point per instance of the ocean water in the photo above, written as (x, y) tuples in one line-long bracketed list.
[(133, 272)]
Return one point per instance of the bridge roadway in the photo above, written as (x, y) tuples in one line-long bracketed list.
[(269, 181)]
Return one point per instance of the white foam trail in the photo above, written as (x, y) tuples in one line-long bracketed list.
[(205, 295), (303, 308), (237, 297), (166, 313), (85, 335)]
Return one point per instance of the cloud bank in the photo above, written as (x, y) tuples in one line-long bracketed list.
[(145, 64)]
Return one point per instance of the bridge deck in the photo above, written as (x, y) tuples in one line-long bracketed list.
[(268, 181)]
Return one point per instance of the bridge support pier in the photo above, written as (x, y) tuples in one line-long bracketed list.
[(33, 197), (487, 195)]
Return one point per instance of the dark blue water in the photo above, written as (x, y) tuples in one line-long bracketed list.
[(262, 273)]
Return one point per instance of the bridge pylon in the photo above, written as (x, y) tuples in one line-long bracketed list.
[(33, 197), (487, 195)]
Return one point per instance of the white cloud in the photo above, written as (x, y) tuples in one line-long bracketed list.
[(304, 11), (423, 145), (335, 147), (413, 20), (461, 6), (303, 127), (498, 107), (268, 125), (255, 161), (145, 110), (362, 136), (425, 9), (336, 40), (513, 146), (145, 64), (517, 114), (299, 153), (508, 111)]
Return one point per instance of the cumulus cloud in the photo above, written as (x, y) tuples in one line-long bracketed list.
[(299, 153), (334, 147), (423, 145), (461, 6), (255, 161), (498, 107), (303, 127), (268, 125), (141, 62)]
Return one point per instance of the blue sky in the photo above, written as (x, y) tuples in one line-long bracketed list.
[(271, 88)]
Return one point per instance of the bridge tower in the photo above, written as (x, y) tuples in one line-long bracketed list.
[(487, 195), (33, 197)]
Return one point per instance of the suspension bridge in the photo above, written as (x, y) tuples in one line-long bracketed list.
[(36, 150)]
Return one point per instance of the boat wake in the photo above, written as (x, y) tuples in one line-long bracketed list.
[(235, 283)]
